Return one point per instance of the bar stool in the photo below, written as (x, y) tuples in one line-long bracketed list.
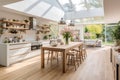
[(84, 53), (52, 55), (79, 54), (72, 59)]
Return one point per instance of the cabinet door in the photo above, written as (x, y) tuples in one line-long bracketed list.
[(19, 46), (19, 51), (18, 54), (15, 59), (33, 54)]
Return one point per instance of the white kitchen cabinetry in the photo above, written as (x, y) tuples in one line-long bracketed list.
[(115, 59), (12, 53)]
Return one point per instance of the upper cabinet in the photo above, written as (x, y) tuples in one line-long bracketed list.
[(14, 24)]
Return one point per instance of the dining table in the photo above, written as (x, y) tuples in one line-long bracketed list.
[(64, 49)]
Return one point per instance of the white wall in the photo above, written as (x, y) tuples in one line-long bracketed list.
[(29, 35), (112, 11), (5, 14)]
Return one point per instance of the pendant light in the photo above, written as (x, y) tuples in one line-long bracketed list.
[(62, 21), (71, 23)]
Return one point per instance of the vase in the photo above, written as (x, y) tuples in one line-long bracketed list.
[(66, 40)]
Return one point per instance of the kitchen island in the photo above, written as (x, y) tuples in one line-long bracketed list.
[(13, 52)]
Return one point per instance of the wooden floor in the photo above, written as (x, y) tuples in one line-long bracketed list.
[(96, 67)]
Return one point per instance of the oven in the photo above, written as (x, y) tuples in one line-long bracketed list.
[(36, 45)]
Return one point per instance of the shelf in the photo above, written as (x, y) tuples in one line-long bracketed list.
[(16, 28), (22, 23)]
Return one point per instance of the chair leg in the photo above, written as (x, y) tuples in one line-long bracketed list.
[(68, 61), (85, 53), (48, 57), (57, 57), (74, 62), (80, 55), (51, 58)]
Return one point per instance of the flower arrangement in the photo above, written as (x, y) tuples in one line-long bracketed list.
[(67, 33)]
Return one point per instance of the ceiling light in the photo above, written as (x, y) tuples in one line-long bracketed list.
[(62, 21), (71, 23)]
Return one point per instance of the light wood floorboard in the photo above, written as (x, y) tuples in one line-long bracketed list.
[(97, 66)]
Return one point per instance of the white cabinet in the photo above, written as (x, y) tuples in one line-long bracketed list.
[(115, 59), (12, 53)]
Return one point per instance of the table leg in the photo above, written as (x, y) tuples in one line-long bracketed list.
[(64, 62), (42, 58)]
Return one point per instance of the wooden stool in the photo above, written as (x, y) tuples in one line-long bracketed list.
[(84, 53), (72, 59), (79, 52), (51, 56)]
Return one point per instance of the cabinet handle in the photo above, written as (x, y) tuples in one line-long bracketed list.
[(20, 47), (20, 54)]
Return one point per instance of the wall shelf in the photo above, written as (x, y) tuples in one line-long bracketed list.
[(14, 22), (17, 25), (44, 29), (16, 28)]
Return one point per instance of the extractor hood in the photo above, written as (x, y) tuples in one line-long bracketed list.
[(33, 23)]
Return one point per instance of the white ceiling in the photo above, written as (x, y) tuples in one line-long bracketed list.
[(3, 2)]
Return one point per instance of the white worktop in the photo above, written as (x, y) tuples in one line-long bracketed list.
[(14, 43), (41, 41)]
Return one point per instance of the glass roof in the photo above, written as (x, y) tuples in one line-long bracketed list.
[(57, 9), (93, 20), (77, 5), (39, 8)]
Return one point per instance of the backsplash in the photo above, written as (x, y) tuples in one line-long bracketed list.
[(29, 35)]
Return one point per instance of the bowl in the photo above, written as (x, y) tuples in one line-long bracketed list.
[(54, 45)]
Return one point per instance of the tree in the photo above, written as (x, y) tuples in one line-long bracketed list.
[(95, 29)]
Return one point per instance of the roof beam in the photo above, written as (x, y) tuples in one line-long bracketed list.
[(60, 5)]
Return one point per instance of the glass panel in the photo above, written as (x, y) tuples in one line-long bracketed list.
[(91, 20), (77, 5), (62, 2), (94, 4)]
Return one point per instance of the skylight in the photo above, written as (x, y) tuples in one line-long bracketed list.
[(77, 5), (41, 8), (63, 1)]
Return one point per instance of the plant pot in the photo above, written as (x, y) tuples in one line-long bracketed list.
[(118, 50), (117, 43)]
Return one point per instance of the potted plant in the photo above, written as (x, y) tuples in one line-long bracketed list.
[(45, 37), (26, 21), (116, 34), (67, 33)]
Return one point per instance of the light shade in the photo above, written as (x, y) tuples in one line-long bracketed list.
[(71, 23), (62, 22)]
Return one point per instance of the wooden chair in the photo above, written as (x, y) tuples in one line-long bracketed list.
[(72, 59), (52, 55), (82, 54)]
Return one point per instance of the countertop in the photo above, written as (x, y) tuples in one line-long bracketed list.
[(41, 41), (14, 43)]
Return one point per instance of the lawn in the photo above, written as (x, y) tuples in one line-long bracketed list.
[(108, 43)]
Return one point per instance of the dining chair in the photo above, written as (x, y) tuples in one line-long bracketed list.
[(72, 59), (52, 55)]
